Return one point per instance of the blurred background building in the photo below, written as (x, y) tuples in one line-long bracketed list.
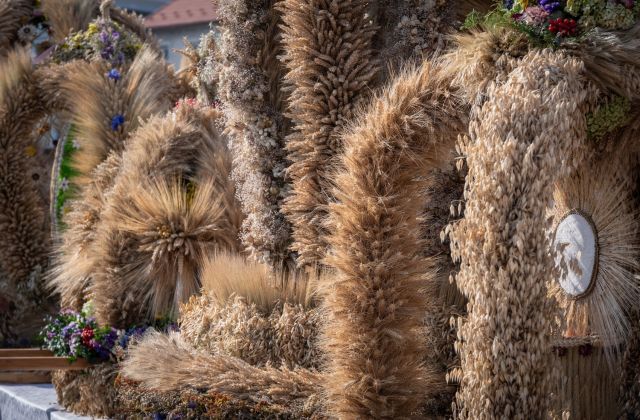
[(142, 7), (173, 20)]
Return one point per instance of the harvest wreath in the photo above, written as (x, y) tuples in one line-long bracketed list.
[(287, 211)]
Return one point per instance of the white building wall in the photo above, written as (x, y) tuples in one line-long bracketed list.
[(171, 39)]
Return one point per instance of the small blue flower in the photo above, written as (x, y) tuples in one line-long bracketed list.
[(550, 6), (114, 74), (117, 121), (508, 4)]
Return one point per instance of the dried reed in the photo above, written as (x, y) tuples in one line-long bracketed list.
[(375, 305), (327, 51)]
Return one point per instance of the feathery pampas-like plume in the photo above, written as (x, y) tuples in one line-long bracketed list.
[(155, 229), (66, 16), (95, 99), (502, 242), (327, 50), (252, 103), (23, 242), (12, 15), (375, 306), (166, 362)]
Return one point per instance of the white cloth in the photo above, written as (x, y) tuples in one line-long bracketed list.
[(32, 402)]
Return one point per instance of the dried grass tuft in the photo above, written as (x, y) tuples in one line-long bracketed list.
[(168, 209), (74, 262), (67, 16), (225, 275), (95, 100)]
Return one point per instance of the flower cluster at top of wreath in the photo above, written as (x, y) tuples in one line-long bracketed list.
[(77, 335), (554, 19), (103, 39)]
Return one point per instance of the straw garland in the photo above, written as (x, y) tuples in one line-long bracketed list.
[(13, 13), (513, 160)]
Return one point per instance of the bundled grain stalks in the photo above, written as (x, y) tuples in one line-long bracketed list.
[(502, 242), (24, 243), (328, 54), (95, 98), (248, 312), (13, 14), (165, 363), (165, 212), (107, 108), (67, 16), (250, 78), (376, 303), (74, 263)]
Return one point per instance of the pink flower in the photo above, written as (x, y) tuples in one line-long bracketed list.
[(534, 16)]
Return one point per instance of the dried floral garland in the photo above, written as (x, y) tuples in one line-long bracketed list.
[(552, 22), (103, 39)]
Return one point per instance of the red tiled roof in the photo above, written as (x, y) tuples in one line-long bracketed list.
[(183, 12)]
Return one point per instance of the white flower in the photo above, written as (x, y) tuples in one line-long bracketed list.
[(76, 144), (64, 185)]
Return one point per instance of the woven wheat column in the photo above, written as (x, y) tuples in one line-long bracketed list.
[(530, 130), (328, 54), (376, 302)]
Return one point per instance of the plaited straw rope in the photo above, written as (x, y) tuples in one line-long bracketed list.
[(327, 50), (513, 159)]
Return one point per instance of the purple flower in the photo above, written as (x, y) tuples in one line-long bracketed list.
[(104, 37), (107, 52), (117, 121), (114, 74), (550, 6), (115, 35)]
